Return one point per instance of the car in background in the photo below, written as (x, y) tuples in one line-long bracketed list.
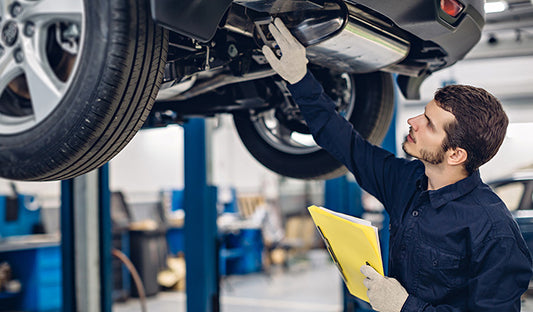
[(516, 191), (79, 78)]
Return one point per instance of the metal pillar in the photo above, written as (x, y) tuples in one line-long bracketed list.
[(201, 250), (345, 196), (86, 242)]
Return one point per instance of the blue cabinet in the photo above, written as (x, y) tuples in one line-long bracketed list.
[(38, 268)]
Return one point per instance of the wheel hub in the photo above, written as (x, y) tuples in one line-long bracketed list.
[(40, 43), (284, 128), (10, 33)]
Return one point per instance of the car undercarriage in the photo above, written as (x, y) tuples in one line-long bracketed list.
[(156, 62)]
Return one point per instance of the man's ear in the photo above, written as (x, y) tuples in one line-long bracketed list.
[(457, 156)]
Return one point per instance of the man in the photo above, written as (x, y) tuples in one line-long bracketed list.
[(454, 245)]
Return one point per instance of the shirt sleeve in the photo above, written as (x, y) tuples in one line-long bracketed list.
[(378, 171), (500, 270)]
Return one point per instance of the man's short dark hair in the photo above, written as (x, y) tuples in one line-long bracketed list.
[(480, 123)]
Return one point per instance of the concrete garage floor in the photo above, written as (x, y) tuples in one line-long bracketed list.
[(312, 284)]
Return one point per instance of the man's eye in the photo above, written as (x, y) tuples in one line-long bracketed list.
[(430, 125)]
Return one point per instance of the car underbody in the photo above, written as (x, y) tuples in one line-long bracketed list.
[(79, 78)]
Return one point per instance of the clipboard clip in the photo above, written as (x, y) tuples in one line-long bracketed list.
[(332, 254)]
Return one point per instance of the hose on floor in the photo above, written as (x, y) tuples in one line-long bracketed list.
[(134, 274)]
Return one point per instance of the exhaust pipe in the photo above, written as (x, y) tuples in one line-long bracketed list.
[(360, 47), (337, 35)]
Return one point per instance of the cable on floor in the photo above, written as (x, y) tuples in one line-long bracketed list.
[(134, 274)]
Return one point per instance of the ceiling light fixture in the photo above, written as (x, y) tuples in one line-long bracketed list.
[(496, 6)]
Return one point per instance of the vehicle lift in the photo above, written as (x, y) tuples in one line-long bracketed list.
[(86, 242), (85, 213)]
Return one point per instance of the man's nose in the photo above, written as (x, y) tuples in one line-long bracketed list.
[(412, 122)]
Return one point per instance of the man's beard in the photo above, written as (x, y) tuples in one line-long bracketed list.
[(427, 156)]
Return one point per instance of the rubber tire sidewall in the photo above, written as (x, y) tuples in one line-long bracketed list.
[(62, 136)]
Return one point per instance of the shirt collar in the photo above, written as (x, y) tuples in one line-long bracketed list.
[(440, 197)]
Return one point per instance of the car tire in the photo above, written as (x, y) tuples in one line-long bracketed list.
[(371, 115), (102, 103)]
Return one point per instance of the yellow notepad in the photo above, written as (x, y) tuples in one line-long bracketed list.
[(351, 242)]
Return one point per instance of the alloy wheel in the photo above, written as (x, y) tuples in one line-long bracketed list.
[(284, 127), (40, 45)]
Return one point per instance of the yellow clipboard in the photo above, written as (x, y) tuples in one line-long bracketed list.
[(351, 242)]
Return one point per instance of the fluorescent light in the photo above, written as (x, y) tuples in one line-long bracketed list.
[(496, 6)]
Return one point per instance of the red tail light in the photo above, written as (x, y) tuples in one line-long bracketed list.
[(451, 7)]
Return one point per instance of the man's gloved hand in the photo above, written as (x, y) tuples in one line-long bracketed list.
[(386, 294), (293, 64)]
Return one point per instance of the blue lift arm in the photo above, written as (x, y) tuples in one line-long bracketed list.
[(201, 248)]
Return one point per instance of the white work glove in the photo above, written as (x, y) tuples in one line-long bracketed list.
[(386, 294), (293, 64)]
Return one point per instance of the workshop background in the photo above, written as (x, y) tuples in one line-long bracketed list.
[(270, 257)]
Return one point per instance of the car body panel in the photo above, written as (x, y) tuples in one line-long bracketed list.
[(421, 17), (197, 19), (519, 201), (426, 21)]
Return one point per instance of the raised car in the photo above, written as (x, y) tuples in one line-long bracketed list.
[(79, 78)]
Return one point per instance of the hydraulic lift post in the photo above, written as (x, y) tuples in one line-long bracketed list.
[(86, 242), (201, 248)]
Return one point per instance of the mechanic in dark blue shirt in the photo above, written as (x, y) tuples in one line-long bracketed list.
[(454, 246)]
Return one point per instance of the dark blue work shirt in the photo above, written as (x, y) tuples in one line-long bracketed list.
[(453, 249)]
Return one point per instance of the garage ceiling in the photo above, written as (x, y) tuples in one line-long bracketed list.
[(518, 14), (508, 33)]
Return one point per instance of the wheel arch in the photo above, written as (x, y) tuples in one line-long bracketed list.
[(196, 19), (371, 117)]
